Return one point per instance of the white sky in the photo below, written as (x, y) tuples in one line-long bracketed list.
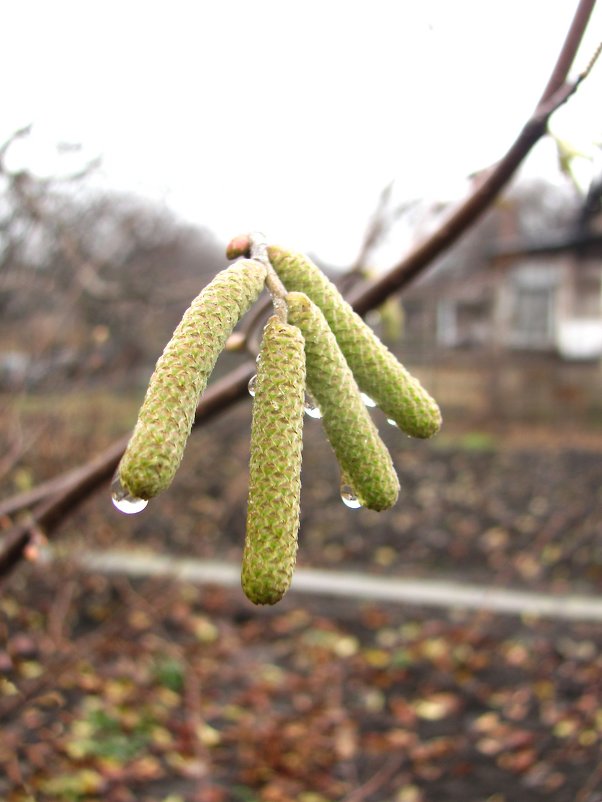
[(288, 117)]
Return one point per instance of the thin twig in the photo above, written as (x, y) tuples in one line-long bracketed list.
[(246, 337), (59, 611), (569, 49), (374, 232), (585, 793), (386, 773), (19, 134), (259, 251)]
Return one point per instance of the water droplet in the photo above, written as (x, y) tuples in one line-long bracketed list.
[(252, 385), (369, 402), (391, 422), (349, 498), (311, 407), (124, 501)]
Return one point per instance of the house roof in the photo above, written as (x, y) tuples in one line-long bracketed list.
[(583, 238), (581, 243)]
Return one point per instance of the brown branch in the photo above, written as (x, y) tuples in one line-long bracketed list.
[(27, 499), (378, 780), (374, 233), (569, 49), (247, 336), (85, 480)]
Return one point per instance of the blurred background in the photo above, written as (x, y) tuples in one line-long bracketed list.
[(136, 139)]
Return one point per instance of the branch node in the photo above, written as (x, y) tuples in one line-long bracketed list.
[(259, 251)]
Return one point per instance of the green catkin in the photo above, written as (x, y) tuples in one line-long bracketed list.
[(275, 466), (155, 449), (364, 459), (377, 372)]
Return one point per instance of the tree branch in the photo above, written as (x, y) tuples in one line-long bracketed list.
[(85, 480), (569, 50), (56, 499)]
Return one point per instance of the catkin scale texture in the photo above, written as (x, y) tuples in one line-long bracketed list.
[(155, 449), (377, 372), (275, 466), (364, 459)]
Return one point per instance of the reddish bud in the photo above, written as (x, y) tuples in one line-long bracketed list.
[(239, 246)]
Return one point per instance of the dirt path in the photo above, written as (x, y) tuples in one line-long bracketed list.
[(423, 592)]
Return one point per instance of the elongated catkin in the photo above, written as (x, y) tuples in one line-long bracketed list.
[(363, 457), (377, 372), (275, 466), (157, 444)]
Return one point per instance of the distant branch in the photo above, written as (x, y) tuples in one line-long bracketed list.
[(84, 269), (19, 134), (51, 508)]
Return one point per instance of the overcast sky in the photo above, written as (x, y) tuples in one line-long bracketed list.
[(288, 117)]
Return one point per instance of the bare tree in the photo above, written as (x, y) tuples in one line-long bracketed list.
[(77, 267)]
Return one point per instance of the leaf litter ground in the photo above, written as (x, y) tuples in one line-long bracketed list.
[(117, 690), (120, 691)]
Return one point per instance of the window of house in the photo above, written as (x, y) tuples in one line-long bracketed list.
[(533, 316), (463, 323), (473, 322), (416, 321), (532, 296)]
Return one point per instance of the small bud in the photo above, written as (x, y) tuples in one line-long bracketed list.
[(236, 341), (157, 444), (275, 466), (364, 459), (239, 246), (377, 372)]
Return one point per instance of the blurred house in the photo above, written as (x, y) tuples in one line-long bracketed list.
[(526, 279)]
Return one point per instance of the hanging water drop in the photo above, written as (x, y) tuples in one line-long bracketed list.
[(252, 385), (369, 402), (349, 498), (311, 407), (124, 501)]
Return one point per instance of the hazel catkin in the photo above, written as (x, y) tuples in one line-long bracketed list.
[(155, 449), (377, 371), (362, 455), (275, 466)]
